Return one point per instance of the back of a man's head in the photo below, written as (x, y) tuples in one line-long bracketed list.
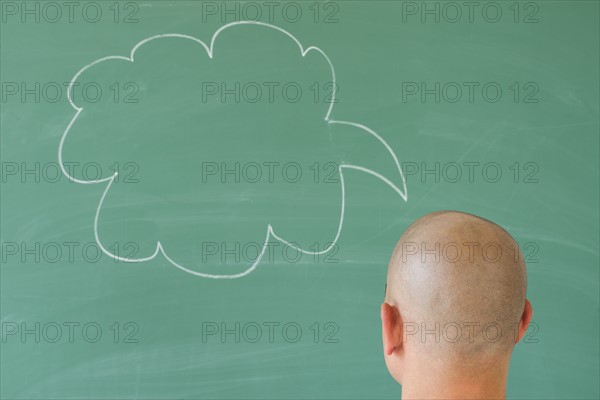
[(455, 303)]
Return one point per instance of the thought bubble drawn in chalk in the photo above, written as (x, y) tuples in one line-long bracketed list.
[(270, 233)]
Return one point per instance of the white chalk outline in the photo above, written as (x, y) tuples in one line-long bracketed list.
[(270, 233)]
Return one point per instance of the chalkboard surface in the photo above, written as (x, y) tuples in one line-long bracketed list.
[(199, 199)]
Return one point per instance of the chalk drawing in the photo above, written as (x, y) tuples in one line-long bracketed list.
[(270, 231)]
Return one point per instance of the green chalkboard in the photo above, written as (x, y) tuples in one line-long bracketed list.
[(199, 199)]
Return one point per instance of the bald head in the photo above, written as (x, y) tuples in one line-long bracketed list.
[(458, 282)]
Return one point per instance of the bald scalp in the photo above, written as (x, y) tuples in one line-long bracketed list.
[(463, 276)]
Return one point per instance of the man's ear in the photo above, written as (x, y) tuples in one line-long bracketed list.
[(525, 320), (391, 327)]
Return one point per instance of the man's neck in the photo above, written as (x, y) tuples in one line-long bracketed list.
[(486, 382)]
